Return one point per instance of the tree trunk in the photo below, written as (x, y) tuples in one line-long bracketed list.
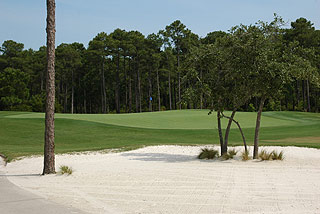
[(257, 130), (240, 129), (66, 99), (139, 90), (85, 101), (179, 82), (104, 94), (49, 158), (308, 96), (117, 89), (158, 87), (201, 94), (304, 95), (130, 89), (136, 91), (220, 130), (226, 137), (72, 93), (150, 91), (126, 83)]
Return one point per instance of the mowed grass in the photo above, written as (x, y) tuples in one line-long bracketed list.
[(22, 134)]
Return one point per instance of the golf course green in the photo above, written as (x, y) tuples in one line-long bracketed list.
[(22, 133)]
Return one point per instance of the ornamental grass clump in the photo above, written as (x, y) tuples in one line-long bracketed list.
[(230, 154), (274, 155), (208, 154), (65, 170), (245, 156), (277, 156)]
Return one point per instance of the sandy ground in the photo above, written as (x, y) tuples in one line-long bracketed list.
[(169, 179)]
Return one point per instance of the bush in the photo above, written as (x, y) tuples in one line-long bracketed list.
[(208, 154), (65, 170), (245, 155)]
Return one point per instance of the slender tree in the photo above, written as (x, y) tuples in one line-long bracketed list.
[(49, 158)]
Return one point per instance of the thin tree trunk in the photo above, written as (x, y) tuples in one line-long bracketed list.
[(136, 91), (158, 87), (150, 91), (220, 130), (72, 94), (179, 82), (117, 89), (49, 158), (257, 130), (130, 89), (304, 95), (66, 98), (139, 90), (85, 101), (240, 129), (308, 96), (226, 137), (125, 82), (103, 88), (201, 94), (170, 97)]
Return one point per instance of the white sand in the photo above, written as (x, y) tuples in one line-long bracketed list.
[(169, 179)]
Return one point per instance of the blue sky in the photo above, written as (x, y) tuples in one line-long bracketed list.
[(80, 20)]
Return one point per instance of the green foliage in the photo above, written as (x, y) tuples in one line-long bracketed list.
[(65, 170), (208, 154)]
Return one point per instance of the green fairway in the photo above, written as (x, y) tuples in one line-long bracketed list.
[(22, 133)]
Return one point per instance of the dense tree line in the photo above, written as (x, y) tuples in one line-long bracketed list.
[(243, 69)]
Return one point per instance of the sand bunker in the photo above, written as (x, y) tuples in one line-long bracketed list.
[(169, 179)]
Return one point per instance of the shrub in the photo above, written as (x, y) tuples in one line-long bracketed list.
[(208, 153), (65, 170), (245, 155)]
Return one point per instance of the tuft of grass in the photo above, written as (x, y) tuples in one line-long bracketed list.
[(208, 153), (65, 170), (245, 155), (277, 156), (274, 155), (264, 155), (230, 154)]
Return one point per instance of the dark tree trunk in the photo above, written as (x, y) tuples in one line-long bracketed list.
[(226, 137), (72, 93), (257, 130), (220, 130), (49, 158), (304, 95), (66, 99), (201, 94), (308, 96), (103, 88), (139, 90), (150, 91), (130, 89), (126, 83), (240, 129), (179, 82), (117, 89), (158, 87), (84, 101)]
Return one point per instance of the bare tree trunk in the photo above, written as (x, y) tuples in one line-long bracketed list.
[(220, 130), (170, 96), (226, 136), (139, 91), (257, 130), (130, 89), (136, 91), (201, 94), (72, 93), (117, 89), (179, 82), (66, 99), (150, 91), (85, 101), (49, 158), (240, 129), (308, 96), (103, 88), (125, 82), (304, 95), (158, 87)]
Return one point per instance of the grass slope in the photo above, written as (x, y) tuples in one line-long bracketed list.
[(21, 134)]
